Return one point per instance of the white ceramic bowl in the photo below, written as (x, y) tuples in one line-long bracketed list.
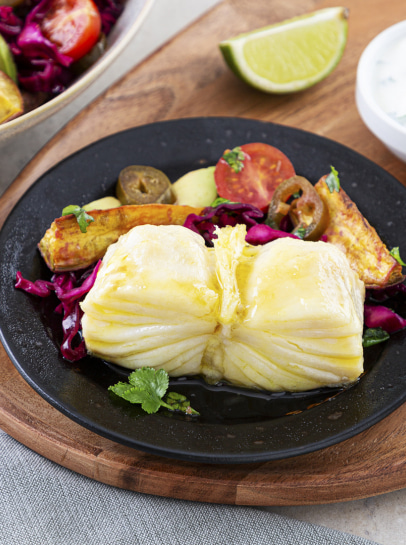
[(123, 31), (391, 132)]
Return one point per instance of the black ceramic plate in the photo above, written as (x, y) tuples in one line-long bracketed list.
[(235, 425)]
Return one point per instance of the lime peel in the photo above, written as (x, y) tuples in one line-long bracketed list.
[(292, 55)]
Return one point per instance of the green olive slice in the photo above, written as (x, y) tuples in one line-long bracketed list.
[(143, 185)]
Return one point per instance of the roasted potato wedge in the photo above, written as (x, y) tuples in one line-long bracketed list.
[(11, 101), (350, 231), (65, 248)]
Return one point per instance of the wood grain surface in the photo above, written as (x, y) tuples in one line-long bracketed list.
[(188, 78)]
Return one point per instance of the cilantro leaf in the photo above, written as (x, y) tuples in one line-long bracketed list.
[(395, 253), (300, 232), (148, 386), (374, 335), (82, 217), (333, 181), (150, 380), (149, 402), (219, 201), (235, 159), (179, 402)]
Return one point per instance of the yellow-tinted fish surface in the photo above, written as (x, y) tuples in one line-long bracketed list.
[(287, 315)]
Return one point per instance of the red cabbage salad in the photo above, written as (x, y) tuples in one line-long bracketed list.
[(70, 289), (46, 44)]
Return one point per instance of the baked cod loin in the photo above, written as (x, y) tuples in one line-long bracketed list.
[(285, 316)]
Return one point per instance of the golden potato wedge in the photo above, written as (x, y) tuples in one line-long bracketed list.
[(11, 102), (350, 231), (65, 248)]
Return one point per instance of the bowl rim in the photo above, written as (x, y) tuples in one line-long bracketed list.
[(84, 81), (364, 74)]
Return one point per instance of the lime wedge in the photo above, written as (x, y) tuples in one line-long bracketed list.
[(291, 55)]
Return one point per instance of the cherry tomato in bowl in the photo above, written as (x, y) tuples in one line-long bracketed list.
[(251, 173), (73, 26)]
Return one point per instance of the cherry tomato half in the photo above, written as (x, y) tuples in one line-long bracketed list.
[(73, 26), (253, 178)]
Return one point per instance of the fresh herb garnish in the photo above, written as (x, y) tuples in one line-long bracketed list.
[(179, 402), (300, 232), (219, 201), (333, 181), (395, 253), (82, 217), (235, 159), (374, 335), (148, 386)]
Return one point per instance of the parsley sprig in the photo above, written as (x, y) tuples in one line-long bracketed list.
[(301, 232), (82, 217), (395, 254), (219, 201), (333, 181), (374, 335), (148, 386), (235, 159)]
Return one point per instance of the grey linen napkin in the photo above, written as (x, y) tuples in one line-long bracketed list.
[(42, 503)]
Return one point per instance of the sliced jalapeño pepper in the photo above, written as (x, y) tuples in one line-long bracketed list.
[(143, 185), (297, 198)]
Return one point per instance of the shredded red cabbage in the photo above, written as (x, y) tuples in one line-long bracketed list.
[(109, 10), (262, 233), (42, 288), (232, 214), (220, 216), (31, 41), (386, 293), (10, 27), (70, 288), (44, 75), (41, 67), (384, 317), (377, 315)]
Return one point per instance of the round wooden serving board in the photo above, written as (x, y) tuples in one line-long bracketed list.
[(187, 78)]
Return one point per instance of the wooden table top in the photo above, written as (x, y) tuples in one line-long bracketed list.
[(188, 78)]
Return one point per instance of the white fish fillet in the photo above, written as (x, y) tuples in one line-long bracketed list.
[(285, 316)]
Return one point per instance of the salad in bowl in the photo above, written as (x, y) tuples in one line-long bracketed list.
[(50, 50)]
